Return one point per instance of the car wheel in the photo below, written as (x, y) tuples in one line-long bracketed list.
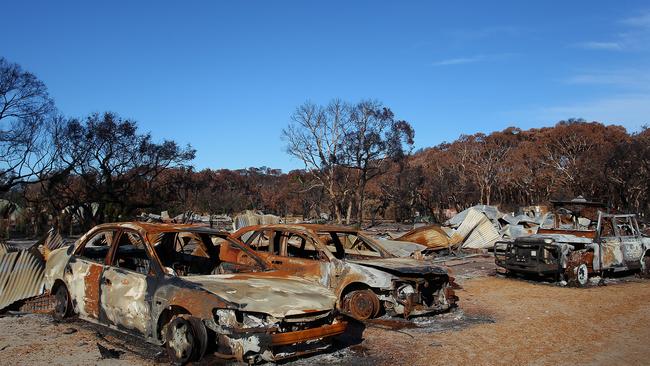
[(62, 303), (645, 267), (185, 339), (361, 304), (581, 274)]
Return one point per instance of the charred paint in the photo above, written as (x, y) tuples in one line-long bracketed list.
[(343, 275), (137, 302)]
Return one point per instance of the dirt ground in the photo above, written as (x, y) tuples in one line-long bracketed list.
[(499, 321)]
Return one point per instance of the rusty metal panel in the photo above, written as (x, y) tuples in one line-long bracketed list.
[(21, 276)]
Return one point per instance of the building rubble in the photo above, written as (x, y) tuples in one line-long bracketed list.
[(478, 227), (222, 222)]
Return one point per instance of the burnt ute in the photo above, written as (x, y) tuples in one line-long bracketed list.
[(599, 244), (183, 286)]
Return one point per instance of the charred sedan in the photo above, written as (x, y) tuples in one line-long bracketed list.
[(367, 279), (182, 285)]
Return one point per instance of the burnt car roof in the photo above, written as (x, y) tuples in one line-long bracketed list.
[(162, 227), (311, 227)]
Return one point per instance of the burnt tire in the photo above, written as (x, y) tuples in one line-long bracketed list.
[(578, 275), (186, 339), (361, 304), (62, 303), (645, 267)]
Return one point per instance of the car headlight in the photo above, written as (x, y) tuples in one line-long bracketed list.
[(239, 319), (404, 291)]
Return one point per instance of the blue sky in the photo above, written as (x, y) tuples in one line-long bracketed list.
[(225, 76)]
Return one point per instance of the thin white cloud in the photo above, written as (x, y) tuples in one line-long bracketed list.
[(635, 37), (472, 59), (593, 45), (642, 20), (458, 61), (485, 32), (625, 78)]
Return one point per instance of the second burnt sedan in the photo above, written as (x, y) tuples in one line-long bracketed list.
[(366, 278)]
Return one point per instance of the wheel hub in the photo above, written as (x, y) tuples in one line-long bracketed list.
[(181, 341), (363, 304)]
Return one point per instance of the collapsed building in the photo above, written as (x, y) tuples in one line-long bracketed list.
[(478, 227)]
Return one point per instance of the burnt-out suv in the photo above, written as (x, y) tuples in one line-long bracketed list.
[(586, 242), (185, 286), (366, 278)]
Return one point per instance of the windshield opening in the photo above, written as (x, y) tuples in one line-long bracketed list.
[(346, 245)]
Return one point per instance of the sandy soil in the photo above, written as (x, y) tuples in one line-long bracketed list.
[(499, 321)]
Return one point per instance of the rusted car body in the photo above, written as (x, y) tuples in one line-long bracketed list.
[(366, 278), (183, 285), (574, 251)]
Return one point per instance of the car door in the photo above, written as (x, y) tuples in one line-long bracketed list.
[(83, 273), (125, 297), (300, 254), (610, 245), (631, 243)]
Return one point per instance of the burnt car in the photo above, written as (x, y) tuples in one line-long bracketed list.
[(367, 279), (582, 241), (190, 288)]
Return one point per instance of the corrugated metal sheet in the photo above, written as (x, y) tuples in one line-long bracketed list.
[(473, 218), (54, 240), (249, 218), (6, 248), (21, 276), (483, 236), (491, 212), (433, 236)]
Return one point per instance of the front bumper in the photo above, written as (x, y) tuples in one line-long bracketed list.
[(538, 259), (435, 297), (330, 330), (251, 345)]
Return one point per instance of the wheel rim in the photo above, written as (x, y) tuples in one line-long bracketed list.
[(181, 341), (362, 305), (582, 274)]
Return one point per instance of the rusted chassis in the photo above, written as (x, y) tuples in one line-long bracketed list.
[(144, 305)]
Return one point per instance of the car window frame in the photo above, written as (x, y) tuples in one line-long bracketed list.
[(153, 258), (81, 247)]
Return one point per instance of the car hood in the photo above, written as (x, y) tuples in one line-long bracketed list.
[(259, 292), (400, 248), (402, 266)]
